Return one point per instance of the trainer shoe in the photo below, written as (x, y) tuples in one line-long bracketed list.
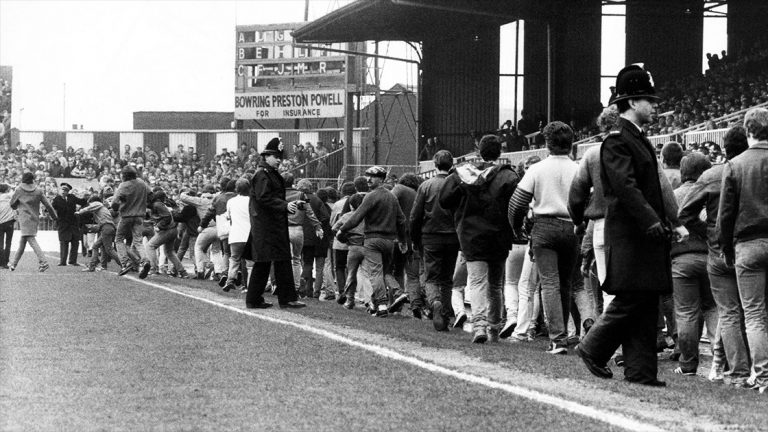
[(208, 273), (87, 269), (183, 275), (480, 336), (382, 312), (43, 267), (556, 349), (509, 327), (349, 304), (341, 299), (144, 271), (680, 371), (398, 303), (228, 287), (427, 313), (223, 281), (125, 270), (716, 372), (11, 267), (416, 313), (461, 318)]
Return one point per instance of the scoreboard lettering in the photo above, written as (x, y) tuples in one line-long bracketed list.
[(275, 78)]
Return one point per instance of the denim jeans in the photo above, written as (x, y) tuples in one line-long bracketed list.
[(459, 284), (340, 268), (556, 249), (439, 264), (104, 245), (132, 226), (164, 238), (296, 237), (406, 272), (512, 271), (693, 304), (725, 292), (187, 239), (35, 247), (529, 281), (236, 262), (378, 259), (751, 271), (208, 241), (486, 282), (355, 257), (6, 236)]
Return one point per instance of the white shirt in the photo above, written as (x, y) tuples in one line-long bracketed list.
[(549, 181), (238, 213)]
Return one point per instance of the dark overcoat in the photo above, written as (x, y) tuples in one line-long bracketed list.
[(269, 216), (69, 227), (629, 173)]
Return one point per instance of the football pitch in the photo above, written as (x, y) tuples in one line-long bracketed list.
[(94, 351)]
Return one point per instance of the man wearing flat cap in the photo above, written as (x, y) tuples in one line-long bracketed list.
[(269, 242), (637, 238), (65, 205)]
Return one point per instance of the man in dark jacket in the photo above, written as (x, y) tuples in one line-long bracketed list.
[(479, 194), (65, 205), (384, 222), (433, 233), (637, 246), (406, 265), (269, 243), (743, 227), (705, 193), (130, 200)]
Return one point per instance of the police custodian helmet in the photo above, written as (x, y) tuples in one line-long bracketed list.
[(634, 81)]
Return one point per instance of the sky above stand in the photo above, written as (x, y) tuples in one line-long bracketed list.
[(94, 63)]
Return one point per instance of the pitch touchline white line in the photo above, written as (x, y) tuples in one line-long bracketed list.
[(614, 419)]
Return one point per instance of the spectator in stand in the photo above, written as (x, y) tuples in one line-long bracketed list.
[(478, 194), (433, 234), (26, 200), (705, 194), (7, 221), (743, 228)]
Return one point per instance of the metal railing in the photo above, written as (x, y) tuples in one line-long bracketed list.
[(328, 166)]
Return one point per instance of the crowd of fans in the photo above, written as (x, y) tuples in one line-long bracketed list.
[(384, 242), (174, 171)]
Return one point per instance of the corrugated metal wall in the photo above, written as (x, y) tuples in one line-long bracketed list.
[(460, 89), (54, 138), (105, 141), (206, 144), (156, 141)]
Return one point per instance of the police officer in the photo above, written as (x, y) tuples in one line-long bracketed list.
[(269, 242), (65, 205), (636, 238)]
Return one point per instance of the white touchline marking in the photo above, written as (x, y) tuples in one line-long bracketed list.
[(614, 419)]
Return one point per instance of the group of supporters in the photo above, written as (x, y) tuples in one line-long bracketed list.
[(609, 251)]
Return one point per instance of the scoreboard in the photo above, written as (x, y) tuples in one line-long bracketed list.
[(275, 79)]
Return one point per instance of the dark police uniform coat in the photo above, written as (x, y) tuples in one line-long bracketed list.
[(69, 229), (269, 216), (635, 262)]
